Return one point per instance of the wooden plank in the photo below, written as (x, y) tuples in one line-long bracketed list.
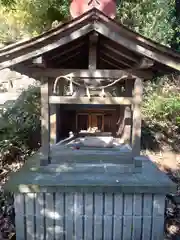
[(120, 53), (135, 46), (118, 60), (112, 65), (136, 125), (65, 59), (93, 100), (66, 51), (45, 124), (144, 62), (85, 73)]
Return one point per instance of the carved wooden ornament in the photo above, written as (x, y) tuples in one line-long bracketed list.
[(78, 7)]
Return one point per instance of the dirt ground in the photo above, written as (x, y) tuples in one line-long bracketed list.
[(167, 162)]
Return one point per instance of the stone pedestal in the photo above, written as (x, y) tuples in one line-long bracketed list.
[(93, 215), (76, 201)]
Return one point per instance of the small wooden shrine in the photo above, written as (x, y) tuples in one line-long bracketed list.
[(88, 180)]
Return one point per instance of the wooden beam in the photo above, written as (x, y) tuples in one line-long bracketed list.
[(39, 62), (105, 53), (136, 124), (92, 100), (53, 45), (85, 73), (135, 46), (93, 39), (118, 52), (45, 124), (145, 63), (67, 58), (109, 63), (66, 51)]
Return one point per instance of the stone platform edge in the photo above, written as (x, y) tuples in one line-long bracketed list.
[(30, 178)]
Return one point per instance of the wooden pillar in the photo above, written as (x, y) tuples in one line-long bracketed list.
[(93, 38), (127, 124), (45, 123), (136, 124), (53, 123)]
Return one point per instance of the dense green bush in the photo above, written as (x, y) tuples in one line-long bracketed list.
[(162, 103), (161, 113), (20, 127)]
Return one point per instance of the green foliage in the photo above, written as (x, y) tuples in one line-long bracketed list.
[(26, 18), (151, 18), (162, 103), (161, 114), (155, 19), (20, 126)]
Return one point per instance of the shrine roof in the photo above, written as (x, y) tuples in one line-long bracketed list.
[(118, 46)]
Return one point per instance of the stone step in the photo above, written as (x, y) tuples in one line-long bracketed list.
[(91, 158), (87, 168)]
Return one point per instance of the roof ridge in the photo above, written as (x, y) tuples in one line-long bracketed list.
[(87, 15)]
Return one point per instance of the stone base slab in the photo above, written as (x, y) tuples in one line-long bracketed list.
[(89, 216)]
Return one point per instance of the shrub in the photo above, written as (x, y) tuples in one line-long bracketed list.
[(162, 104), (20, 127), (161, 112)]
